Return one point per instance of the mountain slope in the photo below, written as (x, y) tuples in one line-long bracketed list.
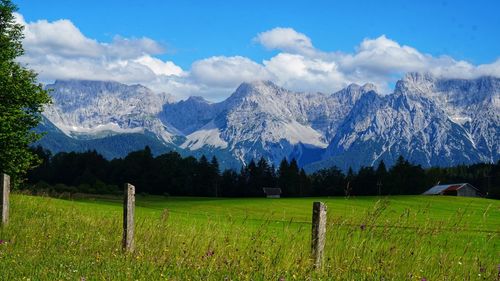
[(258, 120), (474, 104), (190, 115), (428, 120), (114, 146), (93, 109), (261, 119), (384, 127)]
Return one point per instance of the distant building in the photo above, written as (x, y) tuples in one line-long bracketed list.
[(457, 189), (272, 192)]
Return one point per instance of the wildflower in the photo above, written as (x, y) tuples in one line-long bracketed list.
[(209, 253), (424, 279), (1, 241), (281, 278)]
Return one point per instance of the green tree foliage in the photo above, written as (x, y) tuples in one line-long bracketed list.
[(229, 183), (381, 174), (493, 182), (21, 99), (305, 186), (170, 174), (255, 176), (365, 182), (266, 173), (215, 176), (406, 178), (328, 182), (289, 178)]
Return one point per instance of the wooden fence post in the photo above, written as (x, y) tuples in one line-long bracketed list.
[(4, 199), (128, 244), (318, 233)]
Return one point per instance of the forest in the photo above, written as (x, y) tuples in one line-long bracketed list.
[(170, 174)]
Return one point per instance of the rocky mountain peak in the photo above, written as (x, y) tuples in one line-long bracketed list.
[(256, 88), (197, 99), (97, 86), (368, 87), (429, 120), (353, 87)]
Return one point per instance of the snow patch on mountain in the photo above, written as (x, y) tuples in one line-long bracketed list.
[(427, 119), (209, 135), (420, 121), (109, 127), (87, 108), (471, 103), (297, 133)]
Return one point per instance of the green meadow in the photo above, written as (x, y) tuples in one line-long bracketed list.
[(368, 238)]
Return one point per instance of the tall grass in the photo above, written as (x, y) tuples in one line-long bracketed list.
[(52, 239)]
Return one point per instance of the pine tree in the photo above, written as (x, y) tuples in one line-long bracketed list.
[(349, 179), (215, 175), (254, 187), (381, 174), (214, 163), (304, 184), (294, 178), (204, 181), (267, 177), (283, 176)]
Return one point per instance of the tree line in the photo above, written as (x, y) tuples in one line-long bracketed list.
[(171, 174)]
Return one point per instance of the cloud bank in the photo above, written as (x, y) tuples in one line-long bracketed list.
[(59, 50)]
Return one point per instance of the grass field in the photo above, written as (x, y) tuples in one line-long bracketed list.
[(368, 238)]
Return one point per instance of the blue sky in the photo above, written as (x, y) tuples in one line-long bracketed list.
[(194, 31)]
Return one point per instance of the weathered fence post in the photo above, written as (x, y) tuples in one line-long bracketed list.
[(318, 233), (128, 244), (4, 199)]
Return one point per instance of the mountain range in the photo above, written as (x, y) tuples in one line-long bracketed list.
[(428, 120)]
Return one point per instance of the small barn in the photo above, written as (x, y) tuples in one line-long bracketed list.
[(456, 189), (272, 192)]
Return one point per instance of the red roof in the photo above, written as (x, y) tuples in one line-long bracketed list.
[(454, 187)]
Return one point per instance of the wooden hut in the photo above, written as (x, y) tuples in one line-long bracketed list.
[(456, 189), (272, 192)]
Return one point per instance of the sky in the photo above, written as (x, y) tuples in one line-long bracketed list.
[(207, 48)]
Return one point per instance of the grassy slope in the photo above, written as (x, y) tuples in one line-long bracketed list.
[(402, 238)]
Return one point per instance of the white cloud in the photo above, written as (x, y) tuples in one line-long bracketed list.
[(492, 69), (42, 37), (132, 47), (159, 67), (286, 39), (305, 74), (382, 59), (59, 50), (382, 55), (227, 71)]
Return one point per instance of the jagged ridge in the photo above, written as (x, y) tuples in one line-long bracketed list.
[(431, 121)]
